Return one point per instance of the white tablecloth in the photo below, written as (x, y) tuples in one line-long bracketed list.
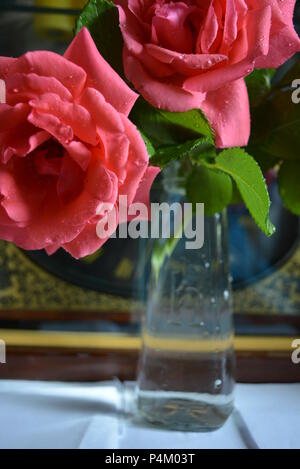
[(62, 415)]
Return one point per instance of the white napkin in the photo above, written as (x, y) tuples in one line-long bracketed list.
[(101, 415)]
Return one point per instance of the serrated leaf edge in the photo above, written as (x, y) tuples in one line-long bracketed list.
[(269, 228)]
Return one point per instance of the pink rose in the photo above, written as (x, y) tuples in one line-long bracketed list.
[(195, 53), (66, 147)]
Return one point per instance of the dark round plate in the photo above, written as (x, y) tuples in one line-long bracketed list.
[(116, 268)]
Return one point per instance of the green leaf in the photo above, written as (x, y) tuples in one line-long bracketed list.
[(161, 252), (193, 120), (275, 126), (101, 17), (259, 84), (289, 185), (249, 179), (290, 72), (172, 136), (209, 186), (265, 160), (149, 146), (284, 141), (165, 128), (195, 150), (236, 198), (164, 250), (91, 258)]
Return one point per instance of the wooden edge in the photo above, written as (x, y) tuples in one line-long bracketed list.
[(118, 341), (66, 356), (120, 317), (98, 365)]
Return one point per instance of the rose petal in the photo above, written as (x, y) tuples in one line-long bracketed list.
[(230, 26), (258, 28), (52, 125), (155, 67), (60, 222), (47, 166), (209, 31), (218, 78), (69, 114), (83, 52), (103, 113), (52, 249), (137, 161), (132, 32), (17, 235), (111, 130), (5, 63), (227, 110), (2, 91), (143, 192), (79, 152), (259, 22), (87, 242), (284, 41), (12, 116), (50, 64), (71, 179), (29, 138), (184, 64), (133, 38), (170, 26), (14, 232), (23, 86), (22, 190), (160, 94)]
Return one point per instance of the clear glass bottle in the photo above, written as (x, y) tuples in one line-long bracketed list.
[(187, 363)]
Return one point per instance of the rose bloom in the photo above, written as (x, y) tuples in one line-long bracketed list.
[(66, 147), (195, 53)]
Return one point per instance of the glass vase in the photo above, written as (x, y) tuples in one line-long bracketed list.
[(187, 363)]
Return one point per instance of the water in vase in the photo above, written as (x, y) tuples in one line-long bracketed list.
[(187, 365)]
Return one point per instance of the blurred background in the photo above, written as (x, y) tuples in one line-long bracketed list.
[(68, 319)]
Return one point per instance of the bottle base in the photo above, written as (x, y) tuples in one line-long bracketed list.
[(183, 412)]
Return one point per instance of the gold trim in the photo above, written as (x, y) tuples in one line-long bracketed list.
[(95, 340), (89, 340), (263, 344), (192, 345)]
